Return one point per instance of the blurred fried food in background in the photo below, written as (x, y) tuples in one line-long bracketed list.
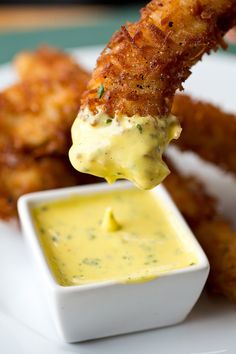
[(36, 114), (210, 133), (212, 230), (35, 120), (50, 63), (21, 174), (214, 137)]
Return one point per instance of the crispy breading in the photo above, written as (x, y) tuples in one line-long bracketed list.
[(214, 232), (49, 63), (218, 239), (191, 198), (145, 62), (36, 115), (35, 119), (207, 131), (23, 174)]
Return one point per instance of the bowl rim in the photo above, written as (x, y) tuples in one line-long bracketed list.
[(27, 201)]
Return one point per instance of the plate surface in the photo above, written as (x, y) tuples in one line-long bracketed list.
[(25, 324)]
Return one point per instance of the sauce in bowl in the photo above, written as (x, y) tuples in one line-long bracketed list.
[(124, 236)]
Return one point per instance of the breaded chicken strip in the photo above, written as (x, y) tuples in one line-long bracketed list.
[(23, 174), (146, 62), (36, 115), (214, 232), (219, 242), (35, 119), (126, 107), (207, 131), (191, 198), (49, 63)]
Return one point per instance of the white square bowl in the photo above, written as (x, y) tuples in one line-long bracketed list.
[(104, 309)]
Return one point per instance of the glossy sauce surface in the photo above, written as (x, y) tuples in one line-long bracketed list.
[(133, 242), (122, 147)]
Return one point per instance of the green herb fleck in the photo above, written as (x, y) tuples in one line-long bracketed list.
[(128, 258), (44, 208), (91, 261), (191, 264), (108, 121), (139, 127), (100, 91), (91, 236)]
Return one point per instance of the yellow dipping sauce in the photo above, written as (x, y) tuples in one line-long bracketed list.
[(134, 242), (122, 147)]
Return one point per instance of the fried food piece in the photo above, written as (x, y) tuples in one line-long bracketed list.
[(132, 88), (191, 198), (207, 131), (23, 174), (36, 115), (49, 63), (26, 175), (145, 63), (219, 242), (35, 119), (213, 231)]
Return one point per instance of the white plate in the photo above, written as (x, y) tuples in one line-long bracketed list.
[(25, 325)]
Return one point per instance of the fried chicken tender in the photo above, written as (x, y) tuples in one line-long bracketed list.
[(133, 85), (207, 131), (146, 62), (214, 232), (36, 115), (24, 174), (35, 119), (191, 198), (49, 63), (219, 242)]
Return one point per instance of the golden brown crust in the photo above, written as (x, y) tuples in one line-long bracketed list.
[(218, 239), (207, 131), (145, 62), (190, 196), (49, 63), (35, 120), (36, 115), (214, 233), (21, 174)]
